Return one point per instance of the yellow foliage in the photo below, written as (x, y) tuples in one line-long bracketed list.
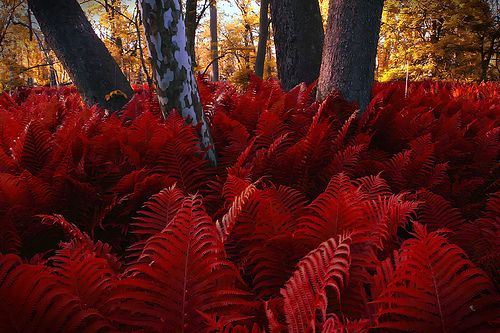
[(449, 39)]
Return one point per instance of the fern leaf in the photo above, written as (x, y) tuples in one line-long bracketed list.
[(33, 149), (437, 213), (305, 293), (181, 273), (226, 224), (340, 208), (434, 288), (158, 212), (35, 300)]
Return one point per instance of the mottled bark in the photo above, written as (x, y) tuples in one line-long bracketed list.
[(263, 36), (191, 25), (214, 40), (298, 38), (350, 49), (91, 67), (175, 82)]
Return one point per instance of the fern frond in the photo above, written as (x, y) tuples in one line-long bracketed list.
[(305, 293), (437, 213), (158, 212), (335, 325), (185, 267), (181, 157), (435, 288), (340, 208), (374, 186), (226, 224), (32, 150), (59, 308)]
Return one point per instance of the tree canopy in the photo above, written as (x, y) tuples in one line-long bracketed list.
[(450, 39)]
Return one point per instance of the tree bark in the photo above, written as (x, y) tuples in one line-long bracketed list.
[(214, 40), (350, 49), (137, 24), (263, 36), (175, 82), (298, 38), (91, 67), (191, 25)]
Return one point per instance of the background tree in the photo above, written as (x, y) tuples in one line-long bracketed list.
[(263, 35), (237, 40), (450, 40), (175, 81), (119, 26), (7, 16), (350, 49), (214, 40), (298, 38), (467, 47), (89, 64), (24, 54), (191, 25)]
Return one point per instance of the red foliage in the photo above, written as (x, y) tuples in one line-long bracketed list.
[(313, 220)]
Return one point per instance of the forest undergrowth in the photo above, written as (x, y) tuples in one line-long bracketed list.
[(313, 220)]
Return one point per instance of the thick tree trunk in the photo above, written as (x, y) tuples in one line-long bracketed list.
[(214, 40), (298, 38), (191, 24), (263, 36), (175, 82), (91, 67), (350, 49)]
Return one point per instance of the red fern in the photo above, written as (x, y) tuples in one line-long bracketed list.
[(305, 293), (32, 150), (185, 267), (435, 289), (68, 297)]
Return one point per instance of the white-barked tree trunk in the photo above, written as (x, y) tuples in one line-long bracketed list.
[(175, 81)]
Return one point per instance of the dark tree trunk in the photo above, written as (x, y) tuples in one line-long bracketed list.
[(263, 36), (175, 81), (298, 38), (214, 40), (350, 49), (137, 24), (191, 25), (91, 67), (486, 56)]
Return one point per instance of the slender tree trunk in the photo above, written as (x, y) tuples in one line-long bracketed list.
[(298, 38), (486, 58), (137, 24), (191, 24), (269, 67), (91, 67), (350, 49), (175, 82), (46, 52), (263, 36), (214, 40)]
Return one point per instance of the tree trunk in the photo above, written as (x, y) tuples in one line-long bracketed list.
[(263, 36), (298, 38), (137, 24), (91, 67), (214, 40), (175, 82), (191, 24), (350, 49)]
